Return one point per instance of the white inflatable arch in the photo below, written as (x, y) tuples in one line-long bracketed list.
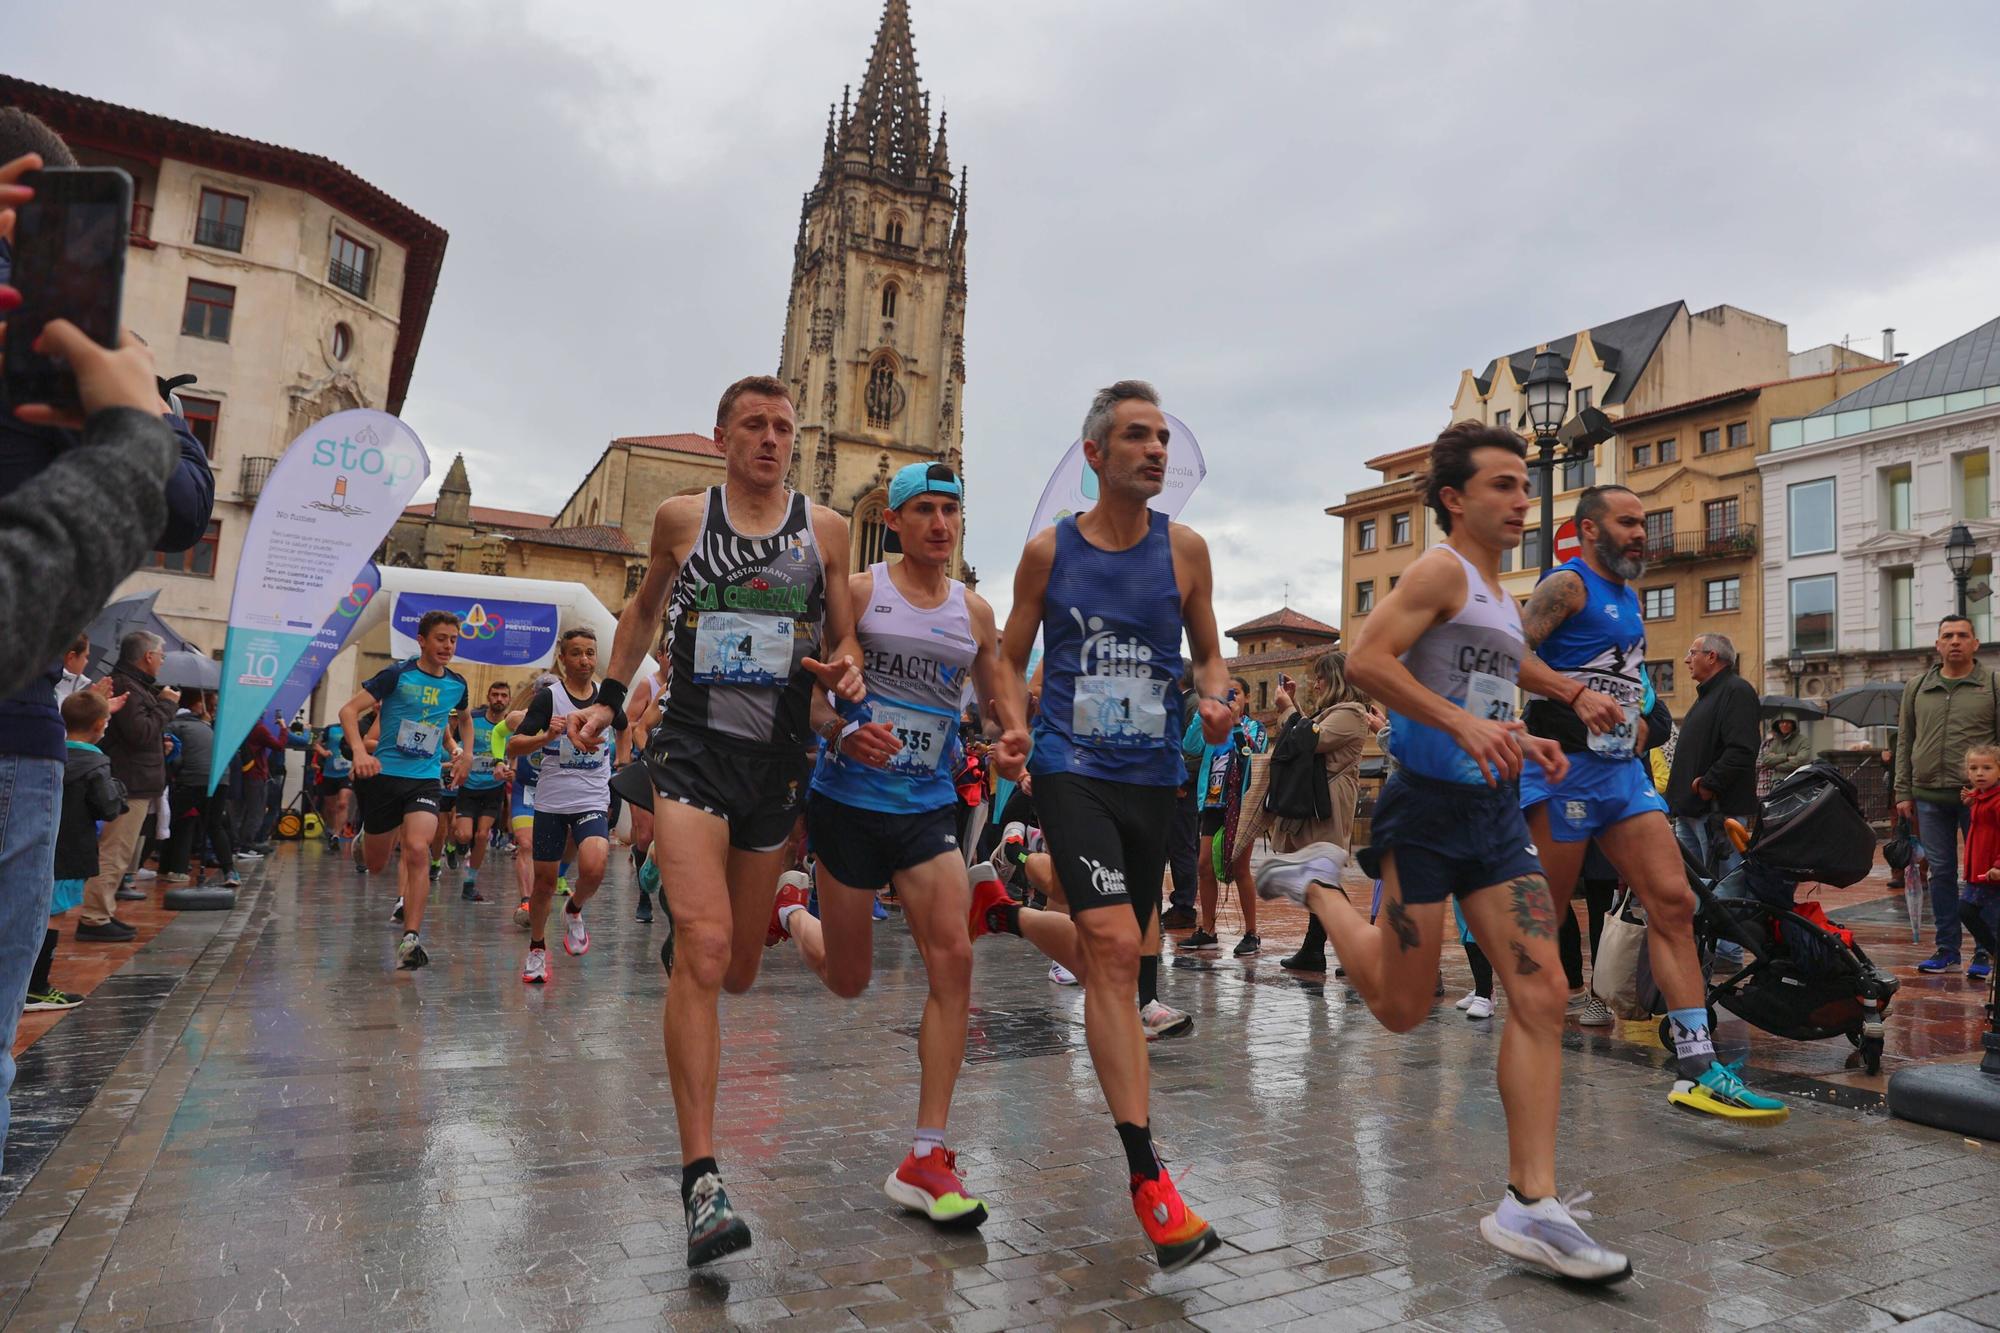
[(574, 603)]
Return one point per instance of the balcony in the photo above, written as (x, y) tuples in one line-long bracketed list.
[(1703, 544), (250, 481), (217, 234), (348, 278), (141, 234)]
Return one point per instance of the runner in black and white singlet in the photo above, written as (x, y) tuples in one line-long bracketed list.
[(759, 585), (1444, 652)]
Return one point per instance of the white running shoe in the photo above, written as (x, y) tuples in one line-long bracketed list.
[(1596, 1014), (1061, 975), (536, 971), (1481, 1007), (141, 875), (1162, 1020), (1466, 1002), (1289, 874), (397, 915), (576, 940), (1546, 1234)]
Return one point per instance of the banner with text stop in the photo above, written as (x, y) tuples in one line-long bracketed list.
[(323, 512)]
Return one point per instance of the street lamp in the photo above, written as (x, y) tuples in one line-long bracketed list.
[(1958, 555), (1547, 388), (1796, 664)]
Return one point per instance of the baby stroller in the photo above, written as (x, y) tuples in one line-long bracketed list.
[(1803, 977)]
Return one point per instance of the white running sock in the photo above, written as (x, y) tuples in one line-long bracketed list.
[(926, 1140), (785, 919)]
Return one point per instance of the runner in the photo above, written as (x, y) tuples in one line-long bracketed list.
[(527, 771), (642, 708), (1111, 590), (1443, 651), (483, 801), (754, 568), (1583, 620), (398, 773), (441, 844), (571, 798), (335, 776)]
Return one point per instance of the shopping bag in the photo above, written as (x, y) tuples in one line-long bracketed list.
[(1614, 975)]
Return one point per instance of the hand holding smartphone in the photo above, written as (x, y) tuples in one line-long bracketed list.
[(69, 242)]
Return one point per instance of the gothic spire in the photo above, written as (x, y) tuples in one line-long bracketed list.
[(890, 124), (940, 156)]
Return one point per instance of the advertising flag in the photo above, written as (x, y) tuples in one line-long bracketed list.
[(1073, 487), (326, 645)]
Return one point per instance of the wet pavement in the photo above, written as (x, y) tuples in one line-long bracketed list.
[(257, 1123)]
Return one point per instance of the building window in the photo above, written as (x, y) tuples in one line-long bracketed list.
[(351, 266), (1364, 597), (1263, 694), (1659, 534), (1657, 603), (1399, 529), (1642, 455), (219, 222), (1583, 397), (1899, 600), (1394, 579), (1720, 519), (202, 415), (1739, 434), (1812, 614), (883, 397), (1531, 549), (1364, 535), (889, 301), (1579, 473), (1974, 491), (1504, 419), (197, 561), (1507, 560), (634, 576), (1711, 440), (343, 342), (1810, 506), (1723, 594), (1669, 450), (1663, 676), (1896, 498), (208, 311), (893, 233), (874, 536)]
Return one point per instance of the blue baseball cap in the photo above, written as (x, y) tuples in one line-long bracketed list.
[(923, 479)]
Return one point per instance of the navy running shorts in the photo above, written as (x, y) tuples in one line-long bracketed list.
[(1450, 838), (554, 832), (863, 849)]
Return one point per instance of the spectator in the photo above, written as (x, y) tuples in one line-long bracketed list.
[(136, 746), (1713, 775), (196, 809), (264, 740), (1785, 752), (75, 662), (1946, 710), (90, 796)]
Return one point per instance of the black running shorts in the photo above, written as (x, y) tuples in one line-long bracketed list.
[(477, 803), (758, 794), (1108, 840), (864, 848), (385, 800)]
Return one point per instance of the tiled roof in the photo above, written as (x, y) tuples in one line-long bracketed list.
[(679, 444), (493, 518), (1286, 619), (1969, 361), (607, 537), (1290, 657), (1626, 345)]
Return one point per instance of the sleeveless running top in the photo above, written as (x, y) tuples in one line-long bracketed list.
[(916, 663), (1111, 636), (745, 612), (1472, 660), (1604, 647), (484, 774), (573, 781)]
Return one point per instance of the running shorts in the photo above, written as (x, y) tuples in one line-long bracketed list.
[(1108, 840), (759, 795), (863, 849), (329, 786), (1595, 794), (554, 832), (477, 803), (521, 805), (386, 800), (1450, 838), (1212, 822), (447, 797)]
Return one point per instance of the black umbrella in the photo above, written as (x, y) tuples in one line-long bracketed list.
[(187, 668), (120, 618), (1875, 704), (1784, 705)]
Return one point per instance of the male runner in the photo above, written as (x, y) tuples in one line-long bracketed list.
[(482, 801), (441, 843), (570, 799), (398, 771), (1111, 590), (883, 809), (642, 712), (753, 566), (335, 775), (1583, 620)]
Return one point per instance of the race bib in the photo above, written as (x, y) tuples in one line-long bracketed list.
[(568, 756), (482, 766), (1490, 697), (418, 738), (734, 648), (1119, 710), (1621, 742), (528, 797), (926, 736)]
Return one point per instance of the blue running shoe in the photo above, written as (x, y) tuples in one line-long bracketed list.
[(1720, 1092), (649, 876), (1944, 960), (714, 1229), (881, 912)]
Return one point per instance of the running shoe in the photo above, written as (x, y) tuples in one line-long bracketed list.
[(1304, 962), (1596, 1013), (1018, 842), (1720, 1092), (562, 886), (521, 914), (1178, 918), (410, 953), (880, 912), (536, 971), (437, 867), (451, 851), (649, 876), (1545, 1233), (987, 894), (397, 915), (1980, 968), (1247, 947), (1198, 942), (1944, 960), (644, 914), (1179, 1237), (576, 938), (1061, 975), (794, 888), (41, 1001), (1289, 874), (232, 880), (1481, 1007), (170, 879), (714, 1229), (470, 893), (930, 1185), (141, 874), (1465, 1001), (1163, 1020)]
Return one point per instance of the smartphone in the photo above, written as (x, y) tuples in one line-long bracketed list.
[(69, 263), (1285, 681)]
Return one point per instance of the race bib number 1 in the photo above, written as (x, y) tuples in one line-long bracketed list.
[(1119, 710)]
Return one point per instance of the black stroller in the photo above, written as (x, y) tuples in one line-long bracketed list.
[(1803, 977)]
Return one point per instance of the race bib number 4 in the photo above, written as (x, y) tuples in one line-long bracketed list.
[(926, 736), (1119, 710), (417, 738), (731, 648), (1490, 697)]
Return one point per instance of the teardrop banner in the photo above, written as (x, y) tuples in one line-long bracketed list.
[(323, 512), (326, 645), (1072, 486)]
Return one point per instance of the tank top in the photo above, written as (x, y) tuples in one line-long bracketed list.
[(573, 781), (916, 663), (1111, 636), (1602, 646), (745, 612), (1472, 660)]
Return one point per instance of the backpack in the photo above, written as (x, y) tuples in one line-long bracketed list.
[(1298, 787)]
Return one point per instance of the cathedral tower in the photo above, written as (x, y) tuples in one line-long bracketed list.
[(874, 346)]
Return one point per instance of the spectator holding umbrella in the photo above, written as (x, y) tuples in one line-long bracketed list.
[(1785, 751)]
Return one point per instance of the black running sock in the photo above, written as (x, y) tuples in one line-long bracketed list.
[(38, 984), (1149, 980), (693, 1171), (1004, 918), (538, 944), (1140, 1159), (1521, 1198), (570, 908)]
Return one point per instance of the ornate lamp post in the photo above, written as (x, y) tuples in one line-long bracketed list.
[(1548, 399), (1958, 555), (1796, 665)]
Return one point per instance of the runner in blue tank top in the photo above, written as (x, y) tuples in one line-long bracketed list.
[(1583, 620), (482, 802), (1443, 651), (1110, 591)]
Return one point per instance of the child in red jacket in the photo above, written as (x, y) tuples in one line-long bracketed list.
[(1979, 900)]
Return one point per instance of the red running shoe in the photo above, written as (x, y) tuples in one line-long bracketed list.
[(1179, 1237), (987, 894), (792, 890), (930, 1185)]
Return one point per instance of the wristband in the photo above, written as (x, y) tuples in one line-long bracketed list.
[(611, 693), (847, 731), (1580, 688), (849, 710)]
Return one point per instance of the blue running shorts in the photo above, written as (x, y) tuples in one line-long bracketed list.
[(1595, 794)]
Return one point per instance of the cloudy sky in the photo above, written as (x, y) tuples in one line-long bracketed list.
[(1302, 220)]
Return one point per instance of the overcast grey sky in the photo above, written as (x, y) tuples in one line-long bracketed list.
[(1301, 220)]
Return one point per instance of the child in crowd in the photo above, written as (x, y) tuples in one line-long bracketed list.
[(90, 795), (1979, 900)]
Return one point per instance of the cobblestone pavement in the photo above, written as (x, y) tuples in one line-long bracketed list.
[(294, 1135)]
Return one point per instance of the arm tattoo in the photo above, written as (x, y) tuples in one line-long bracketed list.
[(1524, 966), (1554, 600), (1400, 924), (1534, 910)]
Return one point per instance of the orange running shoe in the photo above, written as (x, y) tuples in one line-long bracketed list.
[(987, 893), (791, 891), (930, 1185), (1179, 1237)]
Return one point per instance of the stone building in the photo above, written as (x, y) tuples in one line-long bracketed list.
[(1282, 641), (1383, 528), (625, 485), (290, 286)]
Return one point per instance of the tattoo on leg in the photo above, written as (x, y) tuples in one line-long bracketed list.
[(1524, 965), (1534, 910), (1400, 923)]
